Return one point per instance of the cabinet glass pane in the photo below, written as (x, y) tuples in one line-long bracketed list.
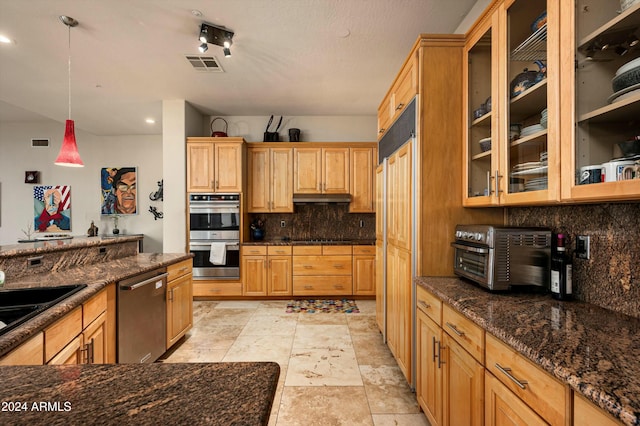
[(480, 112), (526, 150), (607, 85)]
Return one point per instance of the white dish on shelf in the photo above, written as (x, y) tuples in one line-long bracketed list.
[(628, 66), (616, 96), (535, 171), (527, 166), (529, 130)]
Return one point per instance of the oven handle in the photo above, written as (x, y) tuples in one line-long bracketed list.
[(217, 208), (230, 245), (470, 248)]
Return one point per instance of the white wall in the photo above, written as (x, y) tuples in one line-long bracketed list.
[(17, 156), (312, 128), (472, 16)]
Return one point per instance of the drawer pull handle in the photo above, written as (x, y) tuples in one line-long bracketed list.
[(507, 372), (338, 266), (455, 329), (339, 286), (307, 266), (440, 361), (424, 304), (308, 287), (434, 349)]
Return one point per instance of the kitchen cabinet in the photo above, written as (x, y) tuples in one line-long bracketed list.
[(380, 202), (270, 180), (321, 170), (380, 286), (596, 39), (522, 166), (399, 327), (215, 164), (587, 413), (364, 270), (28, 353), (81, 336), (539, 390), (399, 186), (503, 408), (322, 270), (267, 270), (179, 300), (362, 182), (403, 89)]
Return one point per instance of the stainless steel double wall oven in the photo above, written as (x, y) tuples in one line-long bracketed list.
[(214, 218)]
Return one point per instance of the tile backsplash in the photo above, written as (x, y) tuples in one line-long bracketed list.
[(318, 221), (611, 277)]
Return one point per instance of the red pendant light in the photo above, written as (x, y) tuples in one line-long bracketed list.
[(69, 155)]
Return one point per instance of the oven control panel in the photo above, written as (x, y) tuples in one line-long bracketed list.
[(214, 197)]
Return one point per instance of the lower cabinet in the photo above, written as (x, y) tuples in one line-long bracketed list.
[(322, 271), (504, 408), (179, 300), (429, 367), (364, 270), (266, 271), (29, 353), (398, 309), (587, 413)]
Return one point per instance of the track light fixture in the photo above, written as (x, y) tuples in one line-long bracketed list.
[(203, 47), (213, 34)]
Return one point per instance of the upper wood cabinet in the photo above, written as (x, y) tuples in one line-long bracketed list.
[(362, 183), (404, 88), (214, 164), (270, 180), (321, 170), (512, 85), (598, 111)]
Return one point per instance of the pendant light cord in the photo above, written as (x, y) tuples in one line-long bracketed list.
[(69, 70)]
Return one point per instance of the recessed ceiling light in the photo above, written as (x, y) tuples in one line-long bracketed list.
[(150, 121), (4, 39), (196, 12)]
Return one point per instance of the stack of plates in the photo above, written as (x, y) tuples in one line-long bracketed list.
[(536, 184), (543, 119), (543, 158), (626, 81), (485, 144), (529, 130), (531, 168)]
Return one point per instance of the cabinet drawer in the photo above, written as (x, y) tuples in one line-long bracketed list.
[(587, 413), (92, 308), (368, 250), (321, 285), (179, 269), (542, 392), (254, 250), (307, 250), (207, 288), (322, 265), (429, 304), (336, 250), (279, 250), (464, 331), (61, 332)]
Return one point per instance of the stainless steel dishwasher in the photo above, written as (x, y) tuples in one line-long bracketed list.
[(142, 317)]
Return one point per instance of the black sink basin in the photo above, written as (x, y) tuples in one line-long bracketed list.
[(20, 305)]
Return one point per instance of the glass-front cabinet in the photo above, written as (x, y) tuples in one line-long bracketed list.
[(601, 83), (512, 76)]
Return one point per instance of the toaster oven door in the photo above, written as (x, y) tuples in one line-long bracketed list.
[(474, 263)]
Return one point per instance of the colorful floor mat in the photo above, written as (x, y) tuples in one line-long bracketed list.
[(311, 306)]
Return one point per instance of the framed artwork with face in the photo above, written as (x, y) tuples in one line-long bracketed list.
[(52, 208), (118, 190)]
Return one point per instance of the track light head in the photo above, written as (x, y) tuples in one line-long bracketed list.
[(203, 47), (213, 34), (227, 52), (203, 34)]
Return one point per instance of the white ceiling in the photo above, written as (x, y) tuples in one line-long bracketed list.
[(290, 57)]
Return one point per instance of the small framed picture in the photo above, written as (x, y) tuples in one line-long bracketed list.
[(32, 177)]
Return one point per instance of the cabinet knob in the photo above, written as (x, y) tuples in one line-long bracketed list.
[(381, 130), (400, 106)]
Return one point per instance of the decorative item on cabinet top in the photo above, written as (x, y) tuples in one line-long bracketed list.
[(219, 134)]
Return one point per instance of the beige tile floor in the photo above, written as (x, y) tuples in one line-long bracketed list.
[(335, 369)]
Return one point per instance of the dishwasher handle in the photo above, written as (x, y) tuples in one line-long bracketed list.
[(145, 282)]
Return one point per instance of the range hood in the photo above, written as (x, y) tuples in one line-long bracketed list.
[(321, 198)]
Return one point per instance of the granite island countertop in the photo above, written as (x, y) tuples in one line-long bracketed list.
[(239, 393), (281, 242), (96, 276), (593, 350)]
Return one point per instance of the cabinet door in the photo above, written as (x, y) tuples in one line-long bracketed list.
[(392, 197), (279, 276), (380, 186), (385, 114), (70, 354), (281, 180), (254, 272), (364, 275), (598, 111), (406, 87), (28, 353), (403, 197), (587, 413), (258, 181), (463, 386), (179, 308), (362, 180), (429, 367), (503, 408), (307, 170), (404, 304), (95, 341), (335, 170), (392, 306), (228, 167), (200, 167), (380, 286)]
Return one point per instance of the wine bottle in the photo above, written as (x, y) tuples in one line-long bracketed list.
[(561, 271)]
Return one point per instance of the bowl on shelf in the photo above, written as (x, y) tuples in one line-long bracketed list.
[(485, 144), (630, 148), (628, 78), (479, 112)]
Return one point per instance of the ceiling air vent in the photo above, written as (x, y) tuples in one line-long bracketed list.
[(204, 63), (39, 143)]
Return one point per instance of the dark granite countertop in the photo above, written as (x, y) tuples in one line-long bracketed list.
[(96, 276), (48, 246), (280, 242), (149, 394), (593, 350)]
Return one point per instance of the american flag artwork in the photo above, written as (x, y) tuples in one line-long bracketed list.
[(52, 208)]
